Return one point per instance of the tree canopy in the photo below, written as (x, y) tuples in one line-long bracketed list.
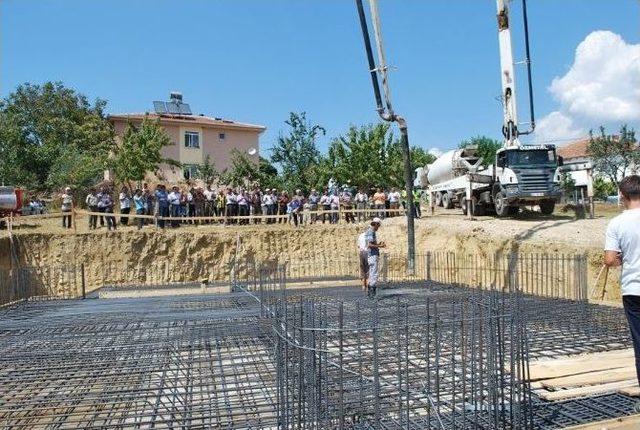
[(207, 171), (140, 151), (613, 156), (487, 148), (51, 136), (296, 152), (368, 156), (247, 173)]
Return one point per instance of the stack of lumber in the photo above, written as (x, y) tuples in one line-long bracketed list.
[(631, 422), (585, 375)]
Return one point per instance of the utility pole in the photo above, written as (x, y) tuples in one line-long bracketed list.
[(387, 114)]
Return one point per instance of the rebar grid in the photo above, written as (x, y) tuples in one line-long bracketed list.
[(370, 363), (212, 361), (137, 363)]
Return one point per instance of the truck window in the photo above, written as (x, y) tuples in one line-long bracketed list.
[(532, 158)]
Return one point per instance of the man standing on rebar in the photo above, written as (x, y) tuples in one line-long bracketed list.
[(622, 248), (363, 258), (374, 254)]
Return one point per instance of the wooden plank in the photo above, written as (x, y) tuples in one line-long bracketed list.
[(591, 378), (630, 391), (547, 369), (631, 422), (590, 390)]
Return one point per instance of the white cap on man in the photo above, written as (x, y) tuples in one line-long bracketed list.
[(376, 220)]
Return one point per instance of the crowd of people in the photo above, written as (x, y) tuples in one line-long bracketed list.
[(176, 205)]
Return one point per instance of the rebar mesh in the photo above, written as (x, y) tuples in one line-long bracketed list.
[(267, 357), (395, 364)]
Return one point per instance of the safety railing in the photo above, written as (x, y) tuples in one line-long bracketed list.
[(80, 217), (546, 275)]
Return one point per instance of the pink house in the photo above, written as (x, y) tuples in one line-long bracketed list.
[(195, 137)]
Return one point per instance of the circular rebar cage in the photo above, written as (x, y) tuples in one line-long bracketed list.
[(458, 362)]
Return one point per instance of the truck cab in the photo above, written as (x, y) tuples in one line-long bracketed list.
[(526, 175)]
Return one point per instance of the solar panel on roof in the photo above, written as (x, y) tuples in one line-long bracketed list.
[(185, 109), (159, 107), (173, 107)]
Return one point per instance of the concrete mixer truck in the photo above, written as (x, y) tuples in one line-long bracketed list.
[(523, 176), (520, 175)]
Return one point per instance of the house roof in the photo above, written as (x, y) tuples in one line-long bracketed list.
[(575, 149), (200, 120)]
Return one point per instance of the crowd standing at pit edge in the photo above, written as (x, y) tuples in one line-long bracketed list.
[(231, 205)]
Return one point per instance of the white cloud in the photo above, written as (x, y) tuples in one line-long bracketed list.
[(601, 87), (557, 126), (436, 152)]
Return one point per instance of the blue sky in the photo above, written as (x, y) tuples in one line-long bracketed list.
[(256, 60)]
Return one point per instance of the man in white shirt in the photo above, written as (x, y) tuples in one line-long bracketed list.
[(231, 200), (325, 202), (394, 202), (622, 248), (335, 207), (174, 205), (363, 253), (361, 205), (208, 204)]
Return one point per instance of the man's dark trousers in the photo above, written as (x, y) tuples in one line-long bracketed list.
[(632, 310)]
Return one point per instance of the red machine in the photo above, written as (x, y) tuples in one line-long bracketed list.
[(11, 200)]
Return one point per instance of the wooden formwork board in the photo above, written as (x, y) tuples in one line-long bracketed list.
[(585, 375), (631, 422)]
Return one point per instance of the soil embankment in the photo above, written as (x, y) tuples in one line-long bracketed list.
[(204, 251)]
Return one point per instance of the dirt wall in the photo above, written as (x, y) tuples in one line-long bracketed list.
[(204, 252)]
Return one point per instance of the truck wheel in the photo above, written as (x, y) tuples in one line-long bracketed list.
[(478, 209), (446, 201), (547, 207), (439, 199), (500, 204)]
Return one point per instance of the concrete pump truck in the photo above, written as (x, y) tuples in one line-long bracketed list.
[(520, 175)]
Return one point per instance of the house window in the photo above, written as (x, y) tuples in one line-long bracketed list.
[(221, 137), (191, 139), (190, 171)]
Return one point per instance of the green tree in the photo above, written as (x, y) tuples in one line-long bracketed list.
[(361, 157), (207, 171), (297, 153), (52, 136), (613, 156), (419, 158), (368, 156), (487, 148), (603, 188), (140, 151), (246, 172), (269, 177), (567, 184)]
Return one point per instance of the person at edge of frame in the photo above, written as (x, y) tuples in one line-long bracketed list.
[(622, 248)]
